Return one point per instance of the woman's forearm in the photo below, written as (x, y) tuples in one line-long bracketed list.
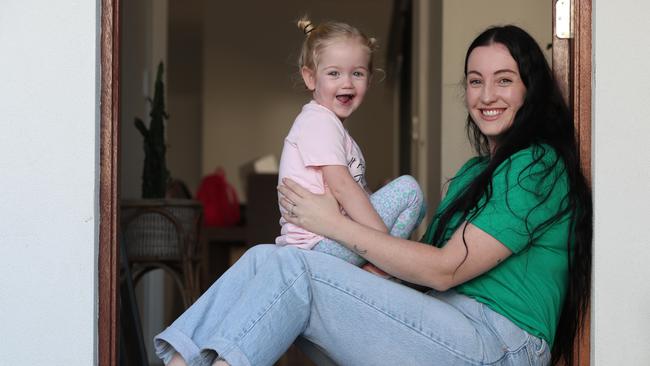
[(468, 253), (408, 260)]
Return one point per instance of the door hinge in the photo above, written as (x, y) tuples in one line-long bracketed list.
[(564, 19)]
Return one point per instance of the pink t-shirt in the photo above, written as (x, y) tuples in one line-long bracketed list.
[(317, 138)]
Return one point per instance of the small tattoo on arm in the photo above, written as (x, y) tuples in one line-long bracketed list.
[(359, 250)]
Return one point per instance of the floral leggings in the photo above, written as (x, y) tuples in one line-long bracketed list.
[(401, 206)]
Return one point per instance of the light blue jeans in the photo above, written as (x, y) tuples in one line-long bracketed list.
[(272, 295), (401, 206)]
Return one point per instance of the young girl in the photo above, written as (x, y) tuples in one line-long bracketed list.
[(336, 66)]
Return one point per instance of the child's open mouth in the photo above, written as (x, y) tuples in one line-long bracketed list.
[(344, 98)]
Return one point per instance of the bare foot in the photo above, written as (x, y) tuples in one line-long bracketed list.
[(375, 270), (220, 363), (177, 360)]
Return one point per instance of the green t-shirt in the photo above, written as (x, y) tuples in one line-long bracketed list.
[(529, 287)]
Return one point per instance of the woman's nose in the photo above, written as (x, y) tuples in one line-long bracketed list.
[(488, 94)]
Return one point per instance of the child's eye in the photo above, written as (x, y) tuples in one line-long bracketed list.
[(333, 73), (359, 74)]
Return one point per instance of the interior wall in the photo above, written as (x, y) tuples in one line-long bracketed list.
[(49, 159), (143, 45), (250, 91), (428, 102), (135, 86), (184, 91), (463, 20), (621, 172)]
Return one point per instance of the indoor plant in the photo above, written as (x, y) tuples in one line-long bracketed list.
[(160, 231), (155, 176)]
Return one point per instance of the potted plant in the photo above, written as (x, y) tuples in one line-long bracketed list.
[(155, 176), (159, 230)]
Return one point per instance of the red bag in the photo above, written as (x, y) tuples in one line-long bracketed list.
[(219, 198)]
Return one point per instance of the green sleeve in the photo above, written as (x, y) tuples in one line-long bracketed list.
[(528, 191)]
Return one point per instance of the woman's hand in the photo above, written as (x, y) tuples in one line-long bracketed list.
[(317, 213)]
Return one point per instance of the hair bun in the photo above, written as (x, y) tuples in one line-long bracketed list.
[(306, 25), (308, 28)]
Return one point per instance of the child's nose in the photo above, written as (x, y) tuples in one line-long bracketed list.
[(347, 81)]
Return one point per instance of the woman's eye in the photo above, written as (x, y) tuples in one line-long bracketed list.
[(474, 82), (505, 81)]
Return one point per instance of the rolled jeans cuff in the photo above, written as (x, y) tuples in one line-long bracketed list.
[(171, 341)]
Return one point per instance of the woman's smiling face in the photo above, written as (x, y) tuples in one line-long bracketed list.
[(494, 91)]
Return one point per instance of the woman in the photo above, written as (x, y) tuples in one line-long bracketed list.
[(507, 256)]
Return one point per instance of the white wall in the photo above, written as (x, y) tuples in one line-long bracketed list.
[(49, 177), (621, 176)]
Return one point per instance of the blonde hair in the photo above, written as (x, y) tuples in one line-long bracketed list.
[(317, 37)]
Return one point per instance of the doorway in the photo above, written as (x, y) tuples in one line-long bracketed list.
[(578, 78)]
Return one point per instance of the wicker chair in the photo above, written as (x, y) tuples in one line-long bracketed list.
[(164, 234)]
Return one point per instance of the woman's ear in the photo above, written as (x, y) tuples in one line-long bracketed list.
[(308, 77)]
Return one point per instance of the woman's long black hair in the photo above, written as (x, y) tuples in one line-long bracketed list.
[(544, 118)]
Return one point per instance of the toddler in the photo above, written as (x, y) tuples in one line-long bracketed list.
[(336, 66)]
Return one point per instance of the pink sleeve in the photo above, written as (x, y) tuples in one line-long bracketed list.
[(321, 140)]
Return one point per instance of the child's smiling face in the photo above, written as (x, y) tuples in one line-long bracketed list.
[(341, 78)]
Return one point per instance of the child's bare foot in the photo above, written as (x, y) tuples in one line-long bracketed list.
[(220, 363), (177, 360), (375, 270)]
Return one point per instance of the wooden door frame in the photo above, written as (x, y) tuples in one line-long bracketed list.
[(573, 70), (575, 74), (107, 266)]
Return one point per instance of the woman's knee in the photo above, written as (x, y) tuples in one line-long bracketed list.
[(289, 252), (260, 251), (289, 259), (282, 257)]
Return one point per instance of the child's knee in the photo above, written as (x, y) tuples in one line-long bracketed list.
[(408, 181)]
